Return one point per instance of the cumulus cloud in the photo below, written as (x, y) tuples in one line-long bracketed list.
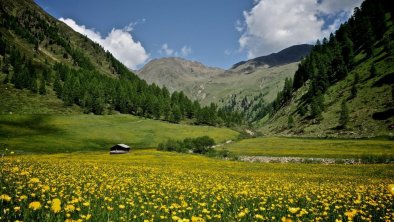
[(273, 25), (119, 42), (167, 51)]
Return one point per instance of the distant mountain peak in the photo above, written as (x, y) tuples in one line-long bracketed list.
[(288, 55)]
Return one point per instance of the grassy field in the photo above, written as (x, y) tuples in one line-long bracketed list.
[(148, 185), (324, 148), (67, 133)]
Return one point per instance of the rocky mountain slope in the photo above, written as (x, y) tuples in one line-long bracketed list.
[(263, 75)]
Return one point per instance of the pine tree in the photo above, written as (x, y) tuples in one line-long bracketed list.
[(354, 86), (175, 114), (353, 91), (6, 79), (316, 107), (290, 122), (373, 70), (57, 87), (42, 90), (344, 115), (392, 92)]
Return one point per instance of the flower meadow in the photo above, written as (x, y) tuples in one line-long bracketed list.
[(148, 185)]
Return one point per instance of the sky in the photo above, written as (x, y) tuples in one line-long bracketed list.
[(217, 33)]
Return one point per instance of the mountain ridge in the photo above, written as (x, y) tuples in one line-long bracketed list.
[(287, 55)]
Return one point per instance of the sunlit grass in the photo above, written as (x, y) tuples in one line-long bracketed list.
[(66, 133), (299, 147)]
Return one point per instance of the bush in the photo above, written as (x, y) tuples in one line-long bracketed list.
[(200, 145)]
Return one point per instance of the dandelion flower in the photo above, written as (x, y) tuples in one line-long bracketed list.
[(35, 205), (391, 188), (294, 210), (34, 180), (69, 208), (56, 205), (5, 197)]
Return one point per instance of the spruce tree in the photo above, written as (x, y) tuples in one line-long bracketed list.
[(6, 79), (57, 87), (290, 122), (373, 70), (344, 115), (42, 90), (175, 114)]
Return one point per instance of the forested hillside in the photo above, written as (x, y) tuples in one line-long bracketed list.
[(345, 84), (43, 55)]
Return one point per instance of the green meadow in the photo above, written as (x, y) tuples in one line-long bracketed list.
[(306, 147), (68, 133)]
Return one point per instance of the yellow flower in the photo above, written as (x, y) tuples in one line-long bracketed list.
[(286, 219), (88, 216), (35, 205), (23, 197), (391, 188), (121, 206), (34, 180), (241, 214), (175, 218), (56, 205), (16, 209), (351, 214), (69, 208), (86, 204), (258, 216), (197, 219), (294, 210), (5, 197)]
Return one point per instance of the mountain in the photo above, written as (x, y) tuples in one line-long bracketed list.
[(344, 87), (288, 55), (240, 83), (46, 67), (175, 73)]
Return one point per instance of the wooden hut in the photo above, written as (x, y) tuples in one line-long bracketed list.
[(119, 149)]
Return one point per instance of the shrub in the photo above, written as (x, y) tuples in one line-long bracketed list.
[(200, 145)]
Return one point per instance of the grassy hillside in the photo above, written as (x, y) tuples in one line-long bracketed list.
[(321, 148), (50, 51), (68, 133), (374, 95), (18, 101), (323, 90)]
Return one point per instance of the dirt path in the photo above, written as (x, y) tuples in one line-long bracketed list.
[(269, 159)]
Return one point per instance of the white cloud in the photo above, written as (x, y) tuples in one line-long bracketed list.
[(186, 50), (167, 51), (239, 26), (272, 25), (119, 42), (227, 52), (330, 6)]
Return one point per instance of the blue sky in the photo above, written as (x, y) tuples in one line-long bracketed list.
[(215, 32)]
